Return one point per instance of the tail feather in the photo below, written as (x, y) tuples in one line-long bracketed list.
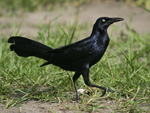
[(27, 47)]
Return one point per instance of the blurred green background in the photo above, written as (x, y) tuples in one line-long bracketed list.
[(32, 5)]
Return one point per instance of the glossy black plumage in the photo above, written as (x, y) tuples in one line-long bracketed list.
[(78, 56)]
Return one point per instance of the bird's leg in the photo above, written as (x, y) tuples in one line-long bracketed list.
[(75, 77), (85, 74)]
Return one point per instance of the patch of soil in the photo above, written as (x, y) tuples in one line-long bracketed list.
[(63, 107)]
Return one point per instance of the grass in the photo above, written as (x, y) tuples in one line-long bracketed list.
[(125, 67)]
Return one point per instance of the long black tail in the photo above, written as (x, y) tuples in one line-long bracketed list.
[(27, 47)]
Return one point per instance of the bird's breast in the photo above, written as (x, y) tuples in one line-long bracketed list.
[(97, 55)]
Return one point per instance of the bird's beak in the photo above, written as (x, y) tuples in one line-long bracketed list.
[(112, 20)]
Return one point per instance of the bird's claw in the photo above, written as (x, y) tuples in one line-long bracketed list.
[(110, 90), (103, 93)]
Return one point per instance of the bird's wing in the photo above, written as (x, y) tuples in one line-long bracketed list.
[(73, 52)]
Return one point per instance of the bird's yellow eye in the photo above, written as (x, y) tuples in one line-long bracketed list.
[(103, 20)]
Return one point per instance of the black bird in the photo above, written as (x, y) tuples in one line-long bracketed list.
[(78, 56)]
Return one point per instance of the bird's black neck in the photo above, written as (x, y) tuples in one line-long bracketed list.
[(100, 35)]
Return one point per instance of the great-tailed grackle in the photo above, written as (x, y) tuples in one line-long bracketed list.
[(78, 56)]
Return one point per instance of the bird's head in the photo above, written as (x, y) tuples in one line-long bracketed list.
[(104, 22)]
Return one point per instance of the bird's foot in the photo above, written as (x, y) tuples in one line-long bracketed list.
[(103, 93), (110, 90), (77, 98)]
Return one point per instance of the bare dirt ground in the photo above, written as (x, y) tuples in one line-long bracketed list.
[(87, 13)]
